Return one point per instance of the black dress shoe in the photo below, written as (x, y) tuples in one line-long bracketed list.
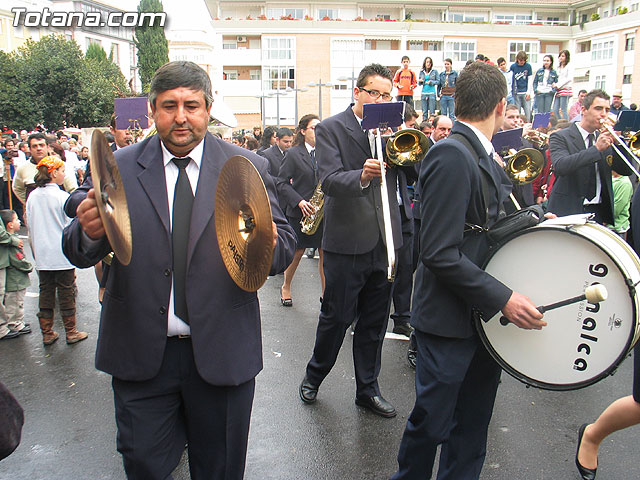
[(403, 329), (585, 473), (308, 391), (377, 405)]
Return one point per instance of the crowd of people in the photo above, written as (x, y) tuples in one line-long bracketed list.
[(173, 386)]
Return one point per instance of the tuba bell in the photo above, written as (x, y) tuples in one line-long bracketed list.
[(406, 147), (523, 166)]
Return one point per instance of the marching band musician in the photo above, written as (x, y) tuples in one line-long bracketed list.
[(582, 160), (456, 378), (296, 184), (355, 260), (181, 340)]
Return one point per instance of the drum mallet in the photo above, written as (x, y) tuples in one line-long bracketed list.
[(593, 294)]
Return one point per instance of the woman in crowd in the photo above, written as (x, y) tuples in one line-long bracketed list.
[(296, 184), (563, 86), (447, 89), (543, 82), (428, 78), (45, 210)]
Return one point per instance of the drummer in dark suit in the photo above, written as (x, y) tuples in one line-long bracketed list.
[(355, 257), (582, 160), (456, 378), (296, 183)]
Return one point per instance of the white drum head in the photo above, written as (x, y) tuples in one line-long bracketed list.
[(582, 342)]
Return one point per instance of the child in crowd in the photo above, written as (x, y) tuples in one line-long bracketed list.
[(45, 211), (405, 81), (9, 328), (17, 273)]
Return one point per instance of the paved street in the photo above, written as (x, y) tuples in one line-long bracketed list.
[(70, 430)]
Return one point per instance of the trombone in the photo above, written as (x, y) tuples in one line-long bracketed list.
[(606, 126)]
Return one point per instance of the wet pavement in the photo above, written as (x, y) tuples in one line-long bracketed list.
[(69, 431)]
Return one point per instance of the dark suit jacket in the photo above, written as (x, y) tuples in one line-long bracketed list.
[(573, 165), (224, 320), (275, 156), (296, 180), (450, 281), (417, 211), (353, 219)]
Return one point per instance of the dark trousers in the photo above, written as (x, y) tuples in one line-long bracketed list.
[(62, 282), (356, 290), (416, 243), (156, 417), (456, 384), (403, 284)]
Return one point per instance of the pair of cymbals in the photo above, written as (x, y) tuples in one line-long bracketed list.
[(243, 215), (110, 197)]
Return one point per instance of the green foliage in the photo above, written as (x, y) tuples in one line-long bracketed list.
[(96, 52), (17, 108), (595, 16), (152, 45), (51, 82)]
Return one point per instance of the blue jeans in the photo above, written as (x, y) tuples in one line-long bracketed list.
[(521, 102), (544, 102), (447, 106), (560, 107), (428, 104)]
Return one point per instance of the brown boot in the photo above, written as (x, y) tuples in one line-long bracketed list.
[(48, 335), (73, 335)]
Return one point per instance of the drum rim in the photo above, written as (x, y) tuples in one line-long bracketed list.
[(478, 322)]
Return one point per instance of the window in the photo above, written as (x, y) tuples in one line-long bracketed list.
[(115, 53), (553, 20), (230, 75), (383, 45), (91, 41), (601, 50), (634, 7), (466, 17), (434, 46), (254, 44), (229, 44), (329, 13), (605, 14), (278, 78), (629, 42), (601, 81), (285, 12), (460, 51), (514, 19), (584, 47), (383, 17), (278, 49), (530, 48), (626, 79), (416, 45), (255, 74)]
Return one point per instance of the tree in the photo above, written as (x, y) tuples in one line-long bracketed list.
[(50, 71), (17, 107), (152, 45), (96, 52)]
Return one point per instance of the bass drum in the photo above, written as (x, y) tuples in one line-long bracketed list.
[(582, 342)]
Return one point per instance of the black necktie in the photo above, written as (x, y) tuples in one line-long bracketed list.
[(182, 204), (591, 184), (312, 154)]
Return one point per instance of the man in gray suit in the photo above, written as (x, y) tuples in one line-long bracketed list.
[(582, 160), (181, 340), (355, 260)]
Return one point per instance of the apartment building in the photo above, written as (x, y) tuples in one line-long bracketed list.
[(275, 61), (116, 41)]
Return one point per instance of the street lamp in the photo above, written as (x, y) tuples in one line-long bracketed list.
[(319, 84), (303, 89), (262, 96), (277, 94), (353, 85)]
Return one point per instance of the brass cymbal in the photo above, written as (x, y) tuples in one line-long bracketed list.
[(244, 223), (110, 197)]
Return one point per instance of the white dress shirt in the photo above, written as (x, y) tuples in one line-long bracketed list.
[(175, 325), (595, 200)]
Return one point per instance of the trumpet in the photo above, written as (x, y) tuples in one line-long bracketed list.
[(537, 138), (605, 125)]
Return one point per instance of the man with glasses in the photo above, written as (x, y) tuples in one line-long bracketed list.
[(355, 260)]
